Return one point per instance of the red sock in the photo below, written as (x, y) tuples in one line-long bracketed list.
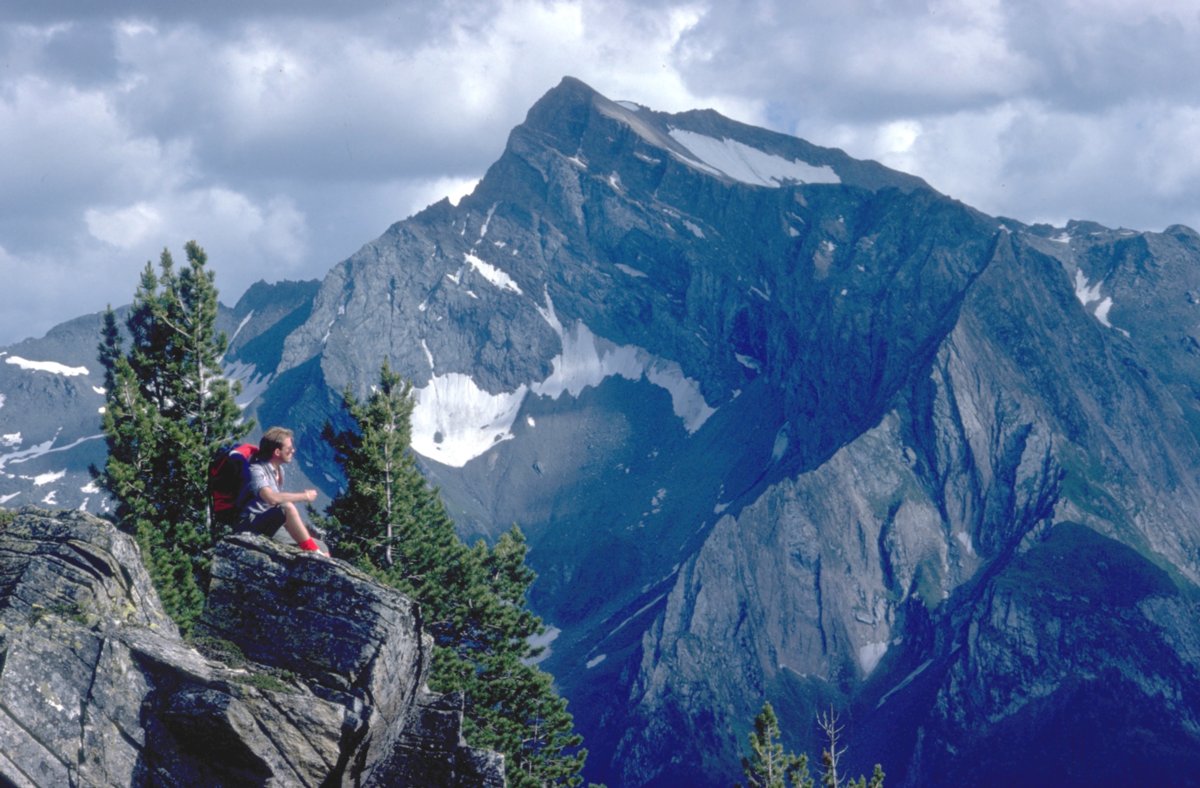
[(309, 544)]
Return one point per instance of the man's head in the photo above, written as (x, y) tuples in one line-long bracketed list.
[(276, 445)]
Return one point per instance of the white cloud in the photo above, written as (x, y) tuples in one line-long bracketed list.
[(123, 227), (283, 140)]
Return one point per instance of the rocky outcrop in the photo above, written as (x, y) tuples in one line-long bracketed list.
[(303, 672)]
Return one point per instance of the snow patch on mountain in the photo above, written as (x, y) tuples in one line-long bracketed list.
[(728, 157), (686, 400), (870, 654), (41, 449), (241, 325), (43, 479), (543, 642), (253, 384), (749, 362), (26, 454), (487, 221), (1089, 293), (964, 539), (779, 449), (492, 274), (454, 421), (747, 164), (630, 618), (52, 367), (905, 682), (586, 360), (1083, 291)]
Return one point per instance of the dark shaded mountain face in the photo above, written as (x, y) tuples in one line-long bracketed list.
[(784, 425)]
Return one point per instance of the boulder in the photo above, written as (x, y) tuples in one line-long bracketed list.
[(303, 671)]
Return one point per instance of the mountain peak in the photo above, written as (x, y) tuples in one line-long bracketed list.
[(705, 140)]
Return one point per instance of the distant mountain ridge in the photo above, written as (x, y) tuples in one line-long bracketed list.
[(778, 424), (51, 394)]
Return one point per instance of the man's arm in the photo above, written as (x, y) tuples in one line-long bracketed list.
[(264, 484), (275, 497)]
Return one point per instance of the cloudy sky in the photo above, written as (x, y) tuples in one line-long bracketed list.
[(284, 134)]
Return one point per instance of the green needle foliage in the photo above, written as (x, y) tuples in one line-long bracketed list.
[(167, 409), (392, 524), (769, 765)]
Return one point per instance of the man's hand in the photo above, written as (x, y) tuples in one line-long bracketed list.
[(310, 495)]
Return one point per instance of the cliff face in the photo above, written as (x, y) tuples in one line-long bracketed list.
[(312, 674), (960, 577)]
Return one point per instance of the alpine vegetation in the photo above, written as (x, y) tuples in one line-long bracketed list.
[(167, 410), (389, 522)]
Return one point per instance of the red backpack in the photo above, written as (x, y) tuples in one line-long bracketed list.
[(227, 475)]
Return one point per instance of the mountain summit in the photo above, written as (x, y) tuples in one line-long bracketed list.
[(780, 424)]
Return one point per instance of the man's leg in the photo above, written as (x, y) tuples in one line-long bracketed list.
[(283, 524), (296, 528), (292, 522)]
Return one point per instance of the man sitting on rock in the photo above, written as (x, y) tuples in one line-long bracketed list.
[(263, 503)]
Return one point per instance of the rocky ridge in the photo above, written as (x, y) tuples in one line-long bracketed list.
[(310, 674)]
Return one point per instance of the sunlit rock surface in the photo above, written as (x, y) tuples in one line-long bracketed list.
[(310, 673)]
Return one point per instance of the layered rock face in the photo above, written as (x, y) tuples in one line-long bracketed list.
[(993, 578), (311, 673)]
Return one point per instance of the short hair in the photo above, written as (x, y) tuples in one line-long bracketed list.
[(271, 440)]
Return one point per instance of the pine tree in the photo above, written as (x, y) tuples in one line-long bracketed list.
[(769, 764), (511, 705), (167, 409), (391, 523), (388, 520)]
